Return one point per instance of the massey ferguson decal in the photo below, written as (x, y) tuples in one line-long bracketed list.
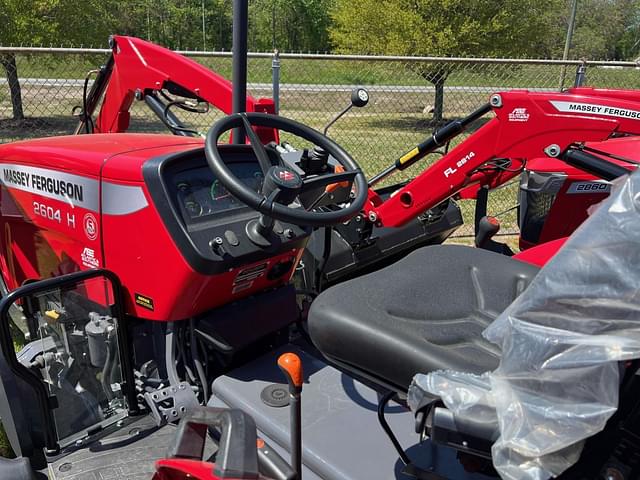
[(596, 109), (90, 226), (74, 190), (519, 115), (65, 187)]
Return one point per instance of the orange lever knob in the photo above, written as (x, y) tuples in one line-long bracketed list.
[(291, 365), (334, 186)]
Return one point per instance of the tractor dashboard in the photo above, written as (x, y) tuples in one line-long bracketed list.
[(207, 223)]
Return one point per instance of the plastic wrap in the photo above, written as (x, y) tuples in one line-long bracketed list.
[(562, 340)]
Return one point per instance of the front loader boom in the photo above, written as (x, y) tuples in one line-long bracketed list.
[(137, 69), (525, 125)]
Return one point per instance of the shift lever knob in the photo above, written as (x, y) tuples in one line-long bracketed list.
[(487, 228), (291, 366)]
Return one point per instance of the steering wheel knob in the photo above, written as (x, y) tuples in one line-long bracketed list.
[(283, 182)]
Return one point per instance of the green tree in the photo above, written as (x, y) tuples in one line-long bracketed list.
[(604, 29), (177, 24), (477, 28), (21, 25), (289, 24), (49, 22), (628, 47)]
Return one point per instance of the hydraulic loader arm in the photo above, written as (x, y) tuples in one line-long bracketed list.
[(525, 125), (137, 69)]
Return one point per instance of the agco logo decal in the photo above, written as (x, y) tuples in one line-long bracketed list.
[(519, 115), (90, 226), (88, 257)]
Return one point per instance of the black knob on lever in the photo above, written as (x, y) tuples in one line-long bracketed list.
[(487, 228), (359, 97), (291, 366)]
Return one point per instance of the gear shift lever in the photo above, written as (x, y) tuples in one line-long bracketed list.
[(291, 366)]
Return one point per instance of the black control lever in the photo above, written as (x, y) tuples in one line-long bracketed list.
[(314, 162), (359, 98), (488, 227)]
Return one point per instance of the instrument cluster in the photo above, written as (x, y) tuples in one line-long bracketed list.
[(201, 195)]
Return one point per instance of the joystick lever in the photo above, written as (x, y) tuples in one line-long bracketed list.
[(291, 366), (488, 227)]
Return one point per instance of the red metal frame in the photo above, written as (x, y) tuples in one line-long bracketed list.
[(538, 124), (141, 66)]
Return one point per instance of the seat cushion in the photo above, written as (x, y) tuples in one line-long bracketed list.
[(423, 313)]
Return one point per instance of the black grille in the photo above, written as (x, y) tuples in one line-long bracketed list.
[(533, 213)]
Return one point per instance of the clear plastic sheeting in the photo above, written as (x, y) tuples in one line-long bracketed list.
[(562, 340)]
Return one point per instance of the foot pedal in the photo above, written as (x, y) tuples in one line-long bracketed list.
[(171, 403)]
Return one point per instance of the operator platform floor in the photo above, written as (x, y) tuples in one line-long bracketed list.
[(126, 454)]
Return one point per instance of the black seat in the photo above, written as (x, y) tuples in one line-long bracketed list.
[(423, 313)]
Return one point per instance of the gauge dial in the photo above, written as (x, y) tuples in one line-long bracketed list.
[(218, 191), (194, 208)]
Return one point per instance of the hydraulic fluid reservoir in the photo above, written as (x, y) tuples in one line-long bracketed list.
[(97, 330)]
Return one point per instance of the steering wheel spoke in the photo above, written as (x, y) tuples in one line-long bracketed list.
[(256, 145)]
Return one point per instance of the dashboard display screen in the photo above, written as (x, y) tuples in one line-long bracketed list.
[(200, 194)]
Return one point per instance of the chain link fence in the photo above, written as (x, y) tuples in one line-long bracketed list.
[(409, 97)]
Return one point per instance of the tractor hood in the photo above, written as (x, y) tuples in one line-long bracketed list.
[(86, 154)]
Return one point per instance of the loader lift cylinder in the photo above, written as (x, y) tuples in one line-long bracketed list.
[(437, 139), (239, 69)]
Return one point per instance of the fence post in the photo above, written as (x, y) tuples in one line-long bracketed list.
[(581, 74), (275, 80)]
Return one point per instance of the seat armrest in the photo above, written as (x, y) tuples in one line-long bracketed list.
[(462, 434)]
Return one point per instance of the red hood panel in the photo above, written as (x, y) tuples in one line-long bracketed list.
[(86, 154)]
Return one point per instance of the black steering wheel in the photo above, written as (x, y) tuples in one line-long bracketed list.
[(282, 184)]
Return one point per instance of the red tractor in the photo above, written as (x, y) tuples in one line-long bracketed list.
[(151, 275), (167, 82)]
